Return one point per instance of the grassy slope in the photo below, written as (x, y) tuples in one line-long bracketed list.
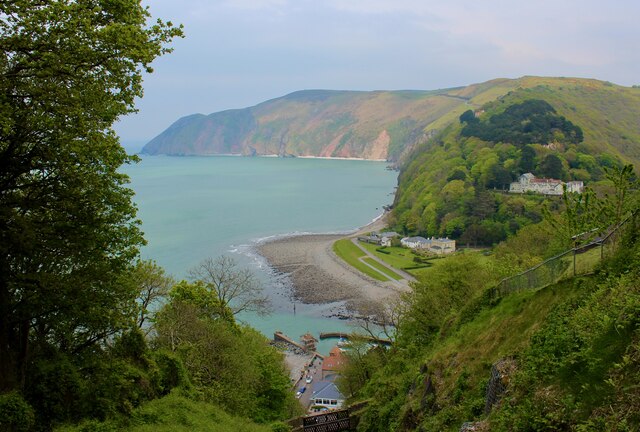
[(607, 113), (348, 124), (459, 363), (173, 413)]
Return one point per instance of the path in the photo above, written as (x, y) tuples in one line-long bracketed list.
[(407, 277)]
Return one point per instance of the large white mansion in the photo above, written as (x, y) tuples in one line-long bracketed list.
[(529, 183)]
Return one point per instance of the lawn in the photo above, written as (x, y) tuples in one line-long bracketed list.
[(398, 257), (351, 254), (382, 268)]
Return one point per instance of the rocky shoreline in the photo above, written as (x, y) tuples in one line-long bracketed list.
[(317, 275)]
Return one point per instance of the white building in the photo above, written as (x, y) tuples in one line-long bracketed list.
[(414, 242), (529, 183), (438, 246), (326, 394)]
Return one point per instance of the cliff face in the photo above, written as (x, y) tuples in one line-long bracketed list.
[(388, 124), (369, 125)]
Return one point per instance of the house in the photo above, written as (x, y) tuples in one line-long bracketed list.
[(326, 394), (385, 237), (334, 363), (373, 239), (529, 183), (442, 246), (389, 234), (575, 186), (414, 242), (439, 246)]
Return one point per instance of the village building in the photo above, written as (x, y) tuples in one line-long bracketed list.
[(334, 363), (529, 183), (386, 237), (439, 246), (326, 394), (309, 342), (382, 239), (414, 242)]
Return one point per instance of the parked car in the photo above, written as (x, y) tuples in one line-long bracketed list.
[(309, 379), (302, 390)]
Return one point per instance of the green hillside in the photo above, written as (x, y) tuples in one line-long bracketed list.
[(451, 185), (565, 356), (388, 124)]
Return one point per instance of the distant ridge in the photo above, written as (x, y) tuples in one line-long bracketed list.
[(383, 124)]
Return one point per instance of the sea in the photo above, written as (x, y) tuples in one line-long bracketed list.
[(194, 208)]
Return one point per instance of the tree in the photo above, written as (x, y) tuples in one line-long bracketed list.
[(551, 167), (153, 287), (231, 365), (527, 159), (68, 70), (236, 289)]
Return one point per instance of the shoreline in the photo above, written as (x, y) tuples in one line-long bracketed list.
[(318, 275), (140, 153)]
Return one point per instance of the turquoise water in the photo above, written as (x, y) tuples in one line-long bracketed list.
[(198, 207)]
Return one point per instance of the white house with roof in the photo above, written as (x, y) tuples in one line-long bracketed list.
[(529, 183), (387, 236), (438, 246), (414, 242), (326, 394)]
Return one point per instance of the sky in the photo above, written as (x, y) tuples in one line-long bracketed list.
[(238, 53)]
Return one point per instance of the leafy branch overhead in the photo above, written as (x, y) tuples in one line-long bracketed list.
[(68, 227)]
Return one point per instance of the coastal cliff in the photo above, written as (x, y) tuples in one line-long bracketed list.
[(383, 125)]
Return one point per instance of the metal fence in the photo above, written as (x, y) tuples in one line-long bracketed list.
[(580, 260)]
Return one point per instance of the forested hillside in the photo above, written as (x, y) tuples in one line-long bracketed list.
[(452, 185), (559, 356)]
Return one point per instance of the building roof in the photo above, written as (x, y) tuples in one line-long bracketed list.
[(326, 390), (415, 240), (546, 181), (389, 234), (335, 361)]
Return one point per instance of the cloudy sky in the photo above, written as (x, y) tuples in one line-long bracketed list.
[(238, 53)]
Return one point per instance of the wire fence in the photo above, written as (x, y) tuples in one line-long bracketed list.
[(580, 260)]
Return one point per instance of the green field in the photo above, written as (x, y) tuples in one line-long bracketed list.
[(351, 254), (382, 268), (400, 258)]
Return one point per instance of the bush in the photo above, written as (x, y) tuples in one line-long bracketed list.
[(16, 415), (280, 427)]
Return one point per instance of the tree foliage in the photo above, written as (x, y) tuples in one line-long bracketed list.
[(529, 122), (68, 70), (230, 365)]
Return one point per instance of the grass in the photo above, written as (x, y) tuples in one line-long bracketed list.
[(401, 258), (503, 330), (383, 269), (173, 413), (351, 254)]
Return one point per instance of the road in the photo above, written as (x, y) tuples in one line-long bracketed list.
[(316, 372)]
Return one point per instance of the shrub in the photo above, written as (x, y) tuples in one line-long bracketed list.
[(16, 415)]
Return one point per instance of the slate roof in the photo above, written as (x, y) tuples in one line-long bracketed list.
[(327, 390)]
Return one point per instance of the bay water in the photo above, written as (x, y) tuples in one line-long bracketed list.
[(193, 208)]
